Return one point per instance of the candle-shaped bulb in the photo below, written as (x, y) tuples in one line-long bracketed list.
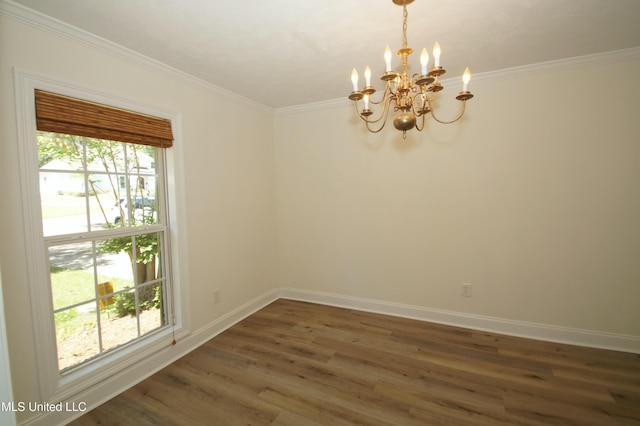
[(466, 77), (366, 101), (367, 76), (387, 59), (354, 79), (436, 54), (424, 60)]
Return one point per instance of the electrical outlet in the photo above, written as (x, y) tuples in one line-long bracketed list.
[(216, 296), (466, 290)]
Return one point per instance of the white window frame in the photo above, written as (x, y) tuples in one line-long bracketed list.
[(56, 385)]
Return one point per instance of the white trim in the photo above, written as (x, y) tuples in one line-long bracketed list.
[(228, 320), (546, 332), (31, 211), (54, 26), (120, 382), (524, 70), (53, 386), (602, 58), (314, 106), (7, 417)]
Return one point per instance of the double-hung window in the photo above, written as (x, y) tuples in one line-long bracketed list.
[(104, 224), (101, 280), (104, 231)]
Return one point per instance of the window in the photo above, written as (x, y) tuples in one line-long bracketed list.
[(105, 242), (100, 178), (104, 224)]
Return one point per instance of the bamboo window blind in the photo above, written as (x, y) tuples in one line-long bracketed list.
[(67, 115)]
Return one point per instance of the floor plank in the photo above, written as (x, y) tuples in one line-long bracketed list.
[(297, 363)]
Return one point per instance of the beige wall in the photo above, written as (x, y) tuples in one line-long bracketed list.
[(532, 198), (228, 176)]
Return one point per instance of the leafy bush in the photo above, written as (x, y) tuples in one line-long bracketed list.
[(125, 303)]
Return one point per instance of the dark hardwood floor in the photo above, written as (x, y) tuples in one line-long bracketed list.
[(296, 363)]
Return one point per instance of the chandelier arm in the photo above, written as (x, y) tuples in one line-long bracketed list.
[(420, 127), (376, 131), (385, 113), (382, 99), (423, 96), (387, 91), (387, 100), (464, 103), (426, 99), (420, 114)]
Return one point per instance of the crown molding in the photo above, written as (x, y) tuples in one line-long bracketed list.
[(314, 106), (23, 14), (603, 58)]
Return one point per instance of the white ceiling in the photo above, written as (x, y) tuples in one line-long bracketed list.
[(291, 52)]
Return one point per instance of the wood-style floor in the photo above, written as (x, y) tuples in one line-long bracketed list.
[(296, 363)]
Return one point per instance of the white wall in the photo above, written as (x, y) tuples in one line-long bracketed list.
[(532, 198), (228, 181)]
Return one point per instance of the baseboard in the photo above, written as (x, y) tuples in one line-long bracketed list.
[(120, 382), (546, 332)]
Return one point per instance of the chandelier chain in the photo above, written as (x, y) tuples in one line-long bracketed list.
[(405, 14)]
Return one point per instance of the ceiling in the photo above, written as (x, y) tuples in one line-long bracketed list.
[(283, 53)]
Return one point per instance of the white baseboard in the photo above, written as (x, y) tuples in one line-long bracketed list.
[(550, 333), (122, 381)]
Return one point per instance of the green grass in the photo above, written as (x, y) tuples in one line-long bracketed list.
[(71, 286)]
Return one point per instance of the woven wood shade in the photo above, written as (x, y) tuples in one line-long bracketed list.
[(71, 116)]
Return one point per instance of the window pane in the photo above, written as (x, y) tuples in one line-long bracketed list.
[(104, 156), (72, 279), (63, 212), (76, 334), (114, 263), (146, 251), (141, 184), (62, 183), (141, 158), (119, 328), (140, 209), (153, 316), (132, 314), (102, 204)]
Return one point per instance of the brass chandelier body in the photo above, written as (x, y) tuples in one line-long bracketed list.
[(411, 96)]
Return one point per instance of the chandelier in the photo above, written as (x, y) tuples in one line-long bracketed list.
[(412, 97)]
